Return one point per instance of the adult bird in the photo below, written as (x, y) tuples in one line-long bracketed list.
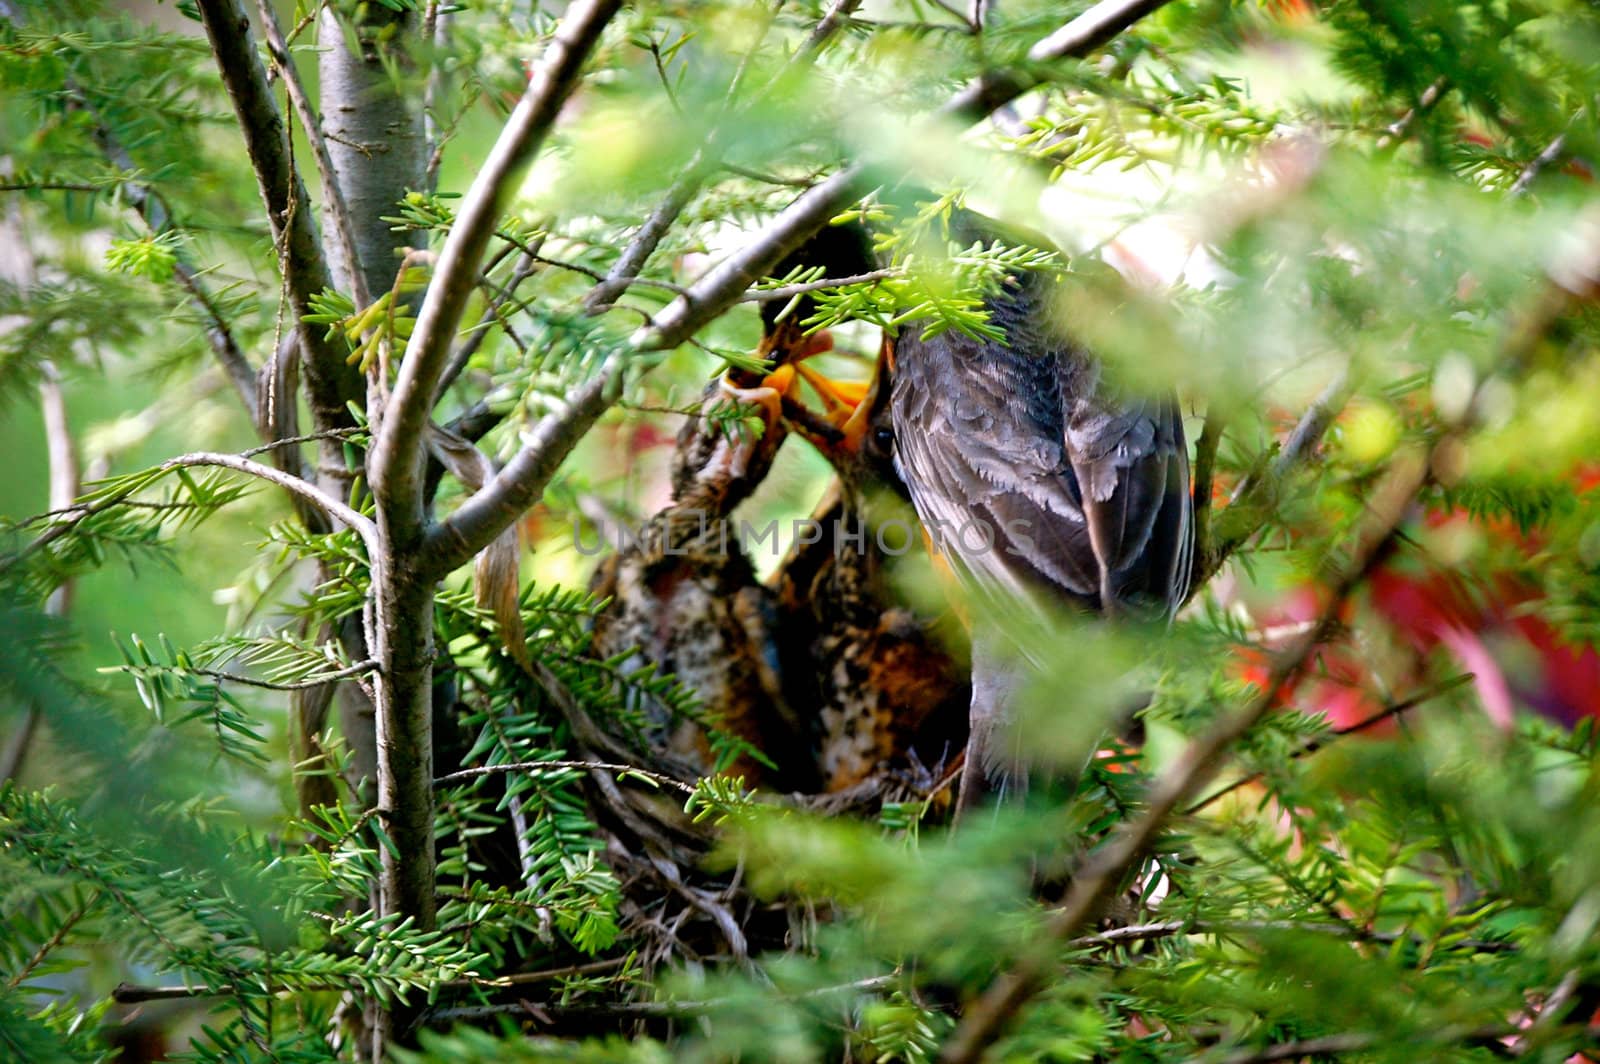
[(1040, 481)]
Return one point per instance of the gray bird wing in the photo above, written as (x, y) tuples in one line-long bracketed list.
[(1061, 486)]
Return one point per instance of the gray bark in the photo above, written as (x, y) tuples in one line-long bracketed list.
[(374, 132)]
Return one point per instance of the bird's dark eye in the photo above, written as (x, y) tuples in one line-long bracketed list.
[(883, 438)]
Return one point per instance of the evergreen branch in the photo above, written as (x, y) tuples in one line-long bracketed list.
[(764, 178), (789, 291), (1398, 130), (1120, 936), (358, 523), (55, 186), (1242, 518), (638, 1009), (57, 937), (644, 243), (1095, 27), (358, 669), (151, 207), (1205, 468), (837, 15), (64, 485), (309, 437), (1389, 712), (524, 269), (136, 994), (301, 489), (548, 766), (1480, 1036), (1550, 154)]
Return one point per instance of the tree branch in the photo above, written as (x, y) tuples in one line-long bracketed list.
[(360, 524), (1095, 27), (1205, 468), (468, 774), (648, 238), (1389, 712), (789, 291), (1550, 154), (485, 514), (64, 476), (1119, 936), (637, 1009), (1483, 1036), (330, 380), (343, 227), (1104, 870), (1259, 491), (361, 668), (149, 205)]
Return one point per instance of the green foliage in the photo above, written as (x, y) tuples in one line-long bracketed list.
[(172, 678), (152, 258), (1382, 187)]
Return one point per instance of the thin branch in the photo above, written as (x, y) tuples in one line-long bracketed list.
[(1095, 27), (358, 669), (134, 994), (60, 186), (1328, 1045), (1551, 153), (150, 206), (550, 766), (525, 268), (396, 463), (1120, 936), (1401, 127), (63, 928), (546, 975), (301, 489), (789, 291), (1241, 519), (766, 178), (838, 14), (331, 381), (1312, 426), (64, 482), (1478, 1035), (638, 1009), (343, 227), (644, 243), (1205, 469), (1311, 746), (362, 526), (310, 437)]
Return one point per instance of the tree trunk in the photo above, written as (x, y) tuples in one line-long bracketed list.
[(374, 137), (374, 134), (372, 127)]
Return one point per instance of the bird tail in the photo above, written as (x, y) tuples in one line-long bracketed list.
[(995, 766)]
